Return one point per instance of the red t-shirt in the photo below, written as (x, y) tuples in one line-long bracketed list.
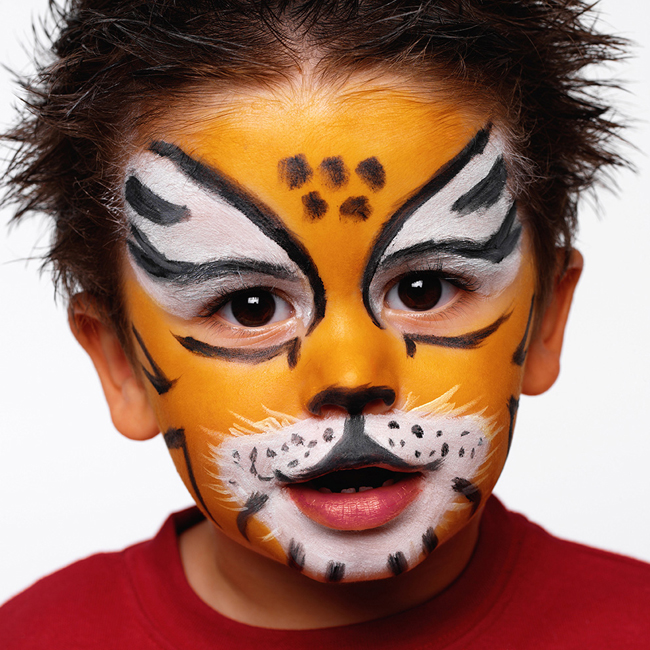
[(522, 589)]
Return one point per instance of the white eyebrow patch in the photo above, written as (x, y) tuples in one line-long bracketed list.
[(204, 242)]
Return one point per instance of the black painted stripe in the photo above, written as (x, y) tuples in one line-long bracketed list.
[(429, 541), (468, 341), (486, 192), (335, 571), (253, 505), (156, 377), (252, 208), (469, 491), (396, 222), (397, 563), (519, 355), (242, 355), (175, 439), (296, 555), (158, 266), (494, 249), (513, 406), (151, 206)]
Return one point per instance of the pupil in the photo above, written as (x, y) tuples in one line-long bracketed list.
[(253, 308), (420, 291)]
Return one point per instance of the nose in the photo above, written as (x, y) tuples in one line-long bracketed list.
[(351, 400)]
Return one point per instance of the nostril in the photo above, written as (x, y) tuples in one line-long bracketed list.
[(353, 400)]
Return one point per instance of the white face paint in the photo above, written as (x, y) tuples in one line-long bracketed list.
[(436, 451)]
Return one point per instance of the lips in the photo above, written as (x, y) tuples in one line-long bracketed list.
[(373, 497)]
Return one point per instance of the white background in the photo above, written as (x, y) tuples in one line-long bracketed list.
[(71, 486)]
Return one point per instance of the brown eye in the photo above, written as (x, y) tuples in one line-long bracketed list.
[(255, 308), (419, 292)]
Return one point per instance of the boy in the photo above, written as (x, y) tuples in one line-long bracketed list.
[(323, 249)]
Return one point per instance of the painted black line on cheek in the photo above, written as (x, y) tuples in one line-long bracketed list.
[(429, 541), (442, 178), (254, 210), (468, 341), (335, 173), (295, 171), (253, 505), (157, 377), (486, 192), (397, 563), (151, 206), (513, 406), (519, 355), (175, 439), (372, 173), (335, 571), (315, 206), (292, 348), (296, 558), (355, 208), (469, 491)]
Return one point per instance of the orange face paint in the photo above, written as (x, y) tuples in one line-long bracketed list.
[(331, 298)]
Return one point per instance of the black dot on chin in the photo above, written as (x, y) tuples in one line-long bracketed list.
[(355, 208), (417, 431)]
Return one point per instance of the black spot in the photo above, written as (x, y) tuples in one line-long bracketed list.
[(393, 425), (465, 433), (297, 440), (431, 454), (438, 434), (296, 559), (335, 571), (292, 463), (461, 452), (306, 454), (417, 431), (390, 442), (315, 206), (372, 173), (401, 443), (410, 346), (335, 173), (253, 455), (312, 444), (472, 454), (270, 453), (417, 454), (253, 505), (175, 439), (429, 541), (294, 171), (285, 447), (328, 435), (445, 449), (356, 208), (397, 563)]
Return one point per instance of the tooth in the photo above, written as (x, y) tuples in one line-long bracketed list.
[(364, 488), (388, 482), (348, 491), (325, 490)]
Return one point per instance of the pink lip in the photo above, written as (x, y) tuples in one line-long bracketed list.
[(357, 511)]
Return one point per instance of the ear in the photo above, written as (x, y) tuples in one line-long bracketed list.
[(543, 357), (127, 401)]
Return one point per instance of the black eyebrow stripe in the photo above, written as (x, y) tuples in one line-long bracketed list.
[(151, 206), (202, 349), (252, 208), (486, 192), (390, 229), (495, 249), (157, 265), (469, 341)]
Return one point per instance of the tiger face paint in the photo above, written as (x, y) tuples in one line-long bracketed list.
[(331, 300)]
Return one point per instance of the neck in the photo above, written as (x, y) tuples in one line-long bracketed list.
[(252, 589)]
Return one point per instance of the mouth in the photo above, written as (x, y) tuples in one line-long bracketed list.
[(356, 499)]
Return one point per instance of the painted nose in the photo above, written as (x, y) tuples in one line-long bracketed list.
[(352, 400)]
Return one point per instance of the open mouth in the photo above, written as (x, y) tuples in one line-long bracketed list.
[(349, 481), (356, 499)]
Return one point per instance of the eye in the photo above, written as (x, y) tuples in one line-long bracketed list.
[(255, 308), (421, 291)]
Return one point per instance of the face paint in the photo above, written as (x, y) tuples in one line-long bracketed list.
[(332, 319)]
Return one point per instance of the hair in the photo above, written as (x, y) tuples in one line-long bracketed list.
[(113, 63)]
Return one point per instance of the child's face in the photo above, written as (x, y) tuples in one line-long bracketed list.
[(330, 297)]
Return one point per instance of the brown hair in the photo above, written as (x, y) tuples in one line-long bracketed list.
[(114, 62)]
